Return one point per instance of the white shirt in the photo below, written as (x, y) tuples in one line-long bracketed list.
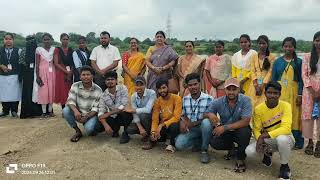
[(105, 56)]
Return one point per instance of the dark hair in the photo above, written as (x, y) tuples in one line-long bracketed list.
[(31, 46), (161, 82), (48, 35), (162, 33), (105, 33), (314, 55), (273, 84), (82, 38), (111, 74), (192, 76), (219, 42), (266, 64), (295, 57), (8, 34), (189, 42), (87, 68), (63, 35), (247, 37)]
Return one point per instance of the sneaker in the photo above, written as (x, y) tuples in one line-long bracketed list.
[(284, 172), (267, 160), (124, 138), (14, 114), (204, 157)]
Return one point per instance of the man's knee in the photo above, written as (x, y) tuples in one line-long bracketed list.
[(66, 111), (206, 125), (284, 140), (90, 126), (181, 142)]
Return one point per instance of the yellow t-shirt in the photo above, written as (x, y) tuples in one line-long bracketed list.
[(276, 121), (166, 111)]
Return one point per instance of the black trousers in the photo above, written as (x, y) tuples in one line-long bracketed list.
[(172, 131), (10, 106), (123, 119), (145, 120), (225, 141)]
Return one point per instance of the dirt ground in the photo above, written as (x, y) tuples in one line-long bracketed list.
[(43, 147)]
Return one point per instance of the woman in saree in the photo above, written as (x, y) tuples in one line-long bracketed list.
[(287, 71), (189, 63), (133, 64), (241, 64), (261, 67), (218, 69), (161, 60)]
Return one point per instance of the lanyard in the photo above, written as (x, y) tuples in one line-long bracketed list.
[(287, 68), (231, 112), (196, 106), (8, 54), (113, 99)]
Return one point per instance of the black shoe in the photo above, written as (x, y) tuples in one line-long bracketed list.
[(204, 157), (267, 160), (14, 114), (124, 138), (4, 114), (284, 172), (133, 129)]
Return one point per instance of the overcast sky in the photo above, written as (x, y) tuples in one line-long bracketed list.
[(209, 19)]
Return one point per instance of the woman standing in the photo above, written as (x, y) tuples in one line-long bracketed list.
[(161, 60), (133, 64), (43, 89), (189, 63), (29, 109), (311, 95), (218, 69), (241, 63), (287, 70), (80, 57), (64, 70), (261, 67), (10, 87)]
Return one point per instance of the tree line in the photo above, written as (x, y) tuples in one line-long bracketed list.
[(203, 46)]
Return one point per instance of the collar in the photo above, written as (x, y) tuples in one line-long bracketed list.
[(82, 87), (202, 95), (144, 93), (107, 47), (118, 87)]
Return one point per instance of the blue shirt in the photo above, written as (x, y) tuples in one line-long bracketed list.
[(228, 115), (144, 104), (194, 109)]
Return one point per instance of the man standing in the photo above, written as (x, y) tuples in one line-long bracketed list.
[(141, 106), (195, 130), (111, 108), (272, 129), (82, 104), (235, 112), (165, 117), (104, 58)]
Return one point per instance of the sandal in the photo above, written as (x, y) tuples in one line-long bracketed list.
[(317, 150), (76, 137), (240, 168), (309, 149), (170, 149)]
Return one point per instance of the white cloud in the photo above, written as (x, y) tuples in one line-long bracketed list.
[(142, 18)]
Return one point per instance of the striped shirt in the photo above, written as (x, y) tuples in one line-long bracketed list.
[(109, 102), (194, 109), (85, 100)]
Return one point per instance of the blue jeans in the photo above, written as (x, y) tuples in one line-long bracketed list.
[(89, 126), (197, 136)]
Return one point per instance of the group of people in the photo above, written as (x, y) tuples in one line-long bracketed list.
[(192, 100)]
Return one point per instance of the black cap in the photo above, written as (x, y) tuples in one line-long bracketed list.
[(140, 79)]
